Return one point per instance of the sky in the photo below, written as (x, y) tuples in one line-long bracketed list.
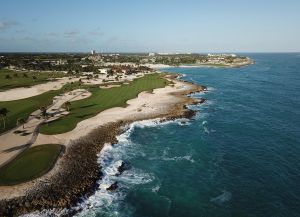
[(150, 25)]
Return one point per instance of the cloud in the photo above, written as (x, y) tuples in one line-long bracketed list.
[(72, 33), (4, 25)]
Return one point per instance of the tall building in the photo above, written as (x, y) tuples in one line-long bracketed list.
[(93, 52)]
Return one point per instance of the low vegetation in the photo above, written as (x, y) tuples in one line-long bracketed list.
[(32, 163)]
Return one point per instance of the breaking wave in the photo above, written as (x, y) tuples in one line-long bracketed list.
[(110, 158), (222, 198)]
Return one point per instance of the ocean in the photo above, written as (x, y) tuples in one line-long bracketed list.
[(239, 157)]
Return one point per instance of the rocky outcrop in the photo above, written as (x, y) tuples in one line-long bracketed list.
[(113, 186), (121, 168)]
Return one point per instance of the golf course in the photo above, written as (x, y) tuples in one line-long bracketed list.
[(35, 161)]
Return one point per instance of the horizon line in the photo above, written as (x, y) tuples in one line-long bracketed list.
[(146, 52)]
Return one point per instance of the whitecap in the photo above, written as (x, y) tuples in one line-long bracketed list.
[(211, 89), (206, 130), (151, 123), (155, 189), (165, 157), (179, 158), (222, 198), (204, 124), (135, 176), (184, 122)]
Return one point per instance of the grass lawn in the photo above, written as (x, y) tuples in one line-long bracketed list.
[(30, 164), (17, 79), (24, 107), (102, 99)]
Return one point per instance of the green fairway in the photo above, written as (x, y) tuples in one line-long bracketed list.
[(30, 164), (102, 99), (10, 79), (24, 107)]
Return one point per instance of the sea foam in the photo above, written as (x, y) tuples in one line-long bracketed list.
[(110, 159)]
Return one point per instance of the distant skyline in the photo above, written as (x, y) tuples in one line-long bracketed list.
[(150, 26)]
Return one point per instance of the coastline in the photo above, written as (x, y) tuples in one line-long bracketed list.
[(212, 65), (76, 172)]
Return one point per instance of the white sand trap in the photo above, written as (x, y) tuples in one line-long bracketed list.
[(26, 92)]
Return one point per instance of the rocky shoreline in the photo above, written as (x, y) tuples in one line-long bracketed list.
[(79, 170)]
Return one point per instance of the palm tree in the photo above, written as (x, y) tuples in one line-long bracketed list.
[(44, 111), (8, 77), (3, 115), (67, 105), (21, 121)]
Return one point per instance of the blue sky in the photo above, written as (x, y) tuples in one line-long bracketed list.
[(150, 25)]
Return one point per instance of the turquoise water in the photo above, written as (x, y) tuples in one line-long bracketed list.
[(240, 156)]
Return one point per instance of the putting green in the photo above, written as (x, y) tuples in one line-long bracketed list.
[(30, 164)]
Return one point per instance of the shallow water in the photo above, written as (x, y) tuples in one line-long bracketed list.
[(238, 157)]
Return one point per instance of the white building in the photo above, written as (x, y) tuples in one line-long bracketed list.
[(103, 71), (93, 52)]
